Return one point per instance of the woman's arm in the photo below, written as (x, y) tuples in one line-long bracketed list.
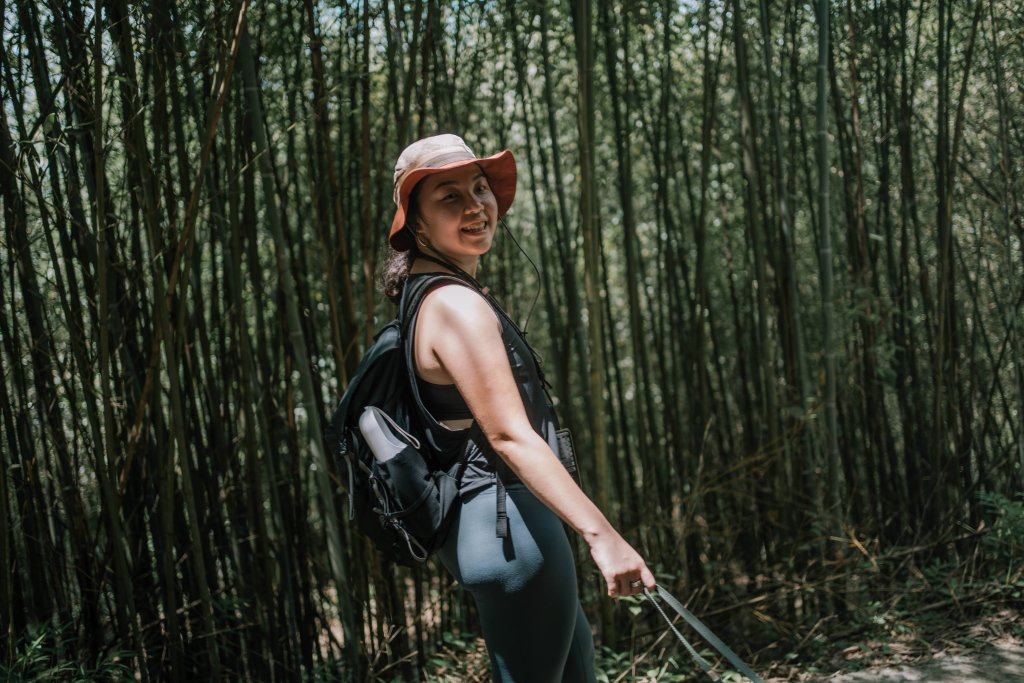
[(463, 340)]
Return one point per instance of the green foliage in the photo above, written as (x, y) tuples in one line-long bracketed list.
[(48, 655), (1004, 542), (196, 490), (461, 657), (905, 610)]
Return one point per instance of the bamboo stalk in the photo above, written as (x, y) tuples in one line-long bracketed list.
[(298, 349), (831, 502)]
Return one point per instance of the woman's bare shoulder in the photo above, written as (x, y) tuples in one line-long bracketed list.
[(458, 307)]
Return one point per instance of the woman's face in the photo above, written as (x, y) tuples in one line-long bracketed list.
[(458, 213)]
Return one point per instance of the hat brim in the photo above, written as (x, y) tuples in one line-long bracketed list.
[(501, 176)]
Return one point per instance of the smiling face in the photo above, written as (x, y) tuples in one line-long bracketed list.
[(458, 214)]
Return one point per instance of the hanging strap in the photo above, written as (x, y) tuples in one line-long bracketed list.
[(501, 512), (703, 631)]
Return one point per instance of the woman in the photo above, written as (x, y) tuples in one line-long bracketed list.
[(476, 373)]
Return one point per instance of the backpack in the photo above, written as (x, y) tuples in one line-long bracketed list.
[(405, 503)]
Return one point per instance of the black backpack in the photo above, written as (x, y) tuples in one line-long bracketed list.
[(403, 505)]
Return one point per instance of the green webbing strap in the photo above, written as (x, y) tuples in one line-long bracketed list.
[(704, 632)]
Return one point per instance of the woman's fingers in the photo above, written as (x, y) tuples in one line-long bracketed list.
[(632, 582), (648, 578), (624, 570)]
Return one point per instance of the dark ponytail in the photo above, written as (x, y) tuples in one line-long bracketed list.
[(397, 264), (396, 271)]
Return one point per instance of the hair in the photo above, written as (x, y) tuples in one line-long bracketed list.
[(396, 272), (397, 263)]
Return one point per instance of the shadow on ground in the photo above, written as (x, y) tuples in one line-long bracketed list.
[(999, 662)]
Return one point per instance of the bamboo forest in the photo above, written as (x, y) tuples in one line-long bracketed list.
[(771, 254)]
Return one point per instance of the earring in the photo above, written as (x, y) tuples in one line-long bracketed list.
[(421, 241)]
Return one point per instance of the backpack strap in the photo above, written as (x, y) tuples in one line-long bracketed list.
[(500, 508), (408, 312), (409, 308), (485, 293)]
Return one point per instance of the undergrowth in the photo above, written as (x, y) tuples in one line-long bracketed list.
[(894, 606), (901, 605), (887, 630), (48, 655)]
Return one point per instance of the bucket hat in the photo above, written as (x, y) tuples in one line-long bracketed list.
[(440, 153)]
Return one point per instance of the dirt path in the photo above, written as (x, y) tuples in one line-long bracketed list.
[(1001, 661)]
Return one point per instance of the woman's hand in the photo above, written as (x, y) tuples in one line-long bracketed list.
[(620, 565)]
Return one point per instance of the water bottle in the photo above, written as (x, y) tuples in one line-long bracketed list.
[(385, 438)]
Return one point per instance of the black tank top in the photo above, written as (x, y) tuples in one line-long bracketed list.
[(443, 400), (483, 465)]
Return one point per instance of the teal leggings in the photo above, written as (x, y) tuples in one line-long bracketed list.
[(524, 587)]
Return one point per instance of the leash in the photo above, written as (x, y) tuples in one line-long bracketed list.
[(703, 631)]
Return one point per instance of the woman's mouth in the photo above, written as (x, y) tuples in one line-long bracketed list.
[(475, 228)]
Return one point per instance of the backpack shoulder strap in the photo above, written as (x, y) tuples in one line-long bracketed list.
[(468, 280), (408, 311), (415, 291), (408, 315)]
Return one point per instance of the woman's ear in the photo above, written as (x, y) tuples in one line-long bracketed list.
[(419, 236)]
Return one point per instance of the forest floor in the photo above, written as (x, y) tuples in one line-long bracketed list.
[(1000, 662), (988, 650), (966, 636)]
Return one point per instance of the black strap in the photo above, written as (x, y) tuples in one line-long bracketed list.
[(704, 632), (408, 311), (501, 511)]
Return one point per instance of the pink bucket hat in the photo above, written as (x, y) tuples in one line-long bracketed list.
[(443, 153)]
